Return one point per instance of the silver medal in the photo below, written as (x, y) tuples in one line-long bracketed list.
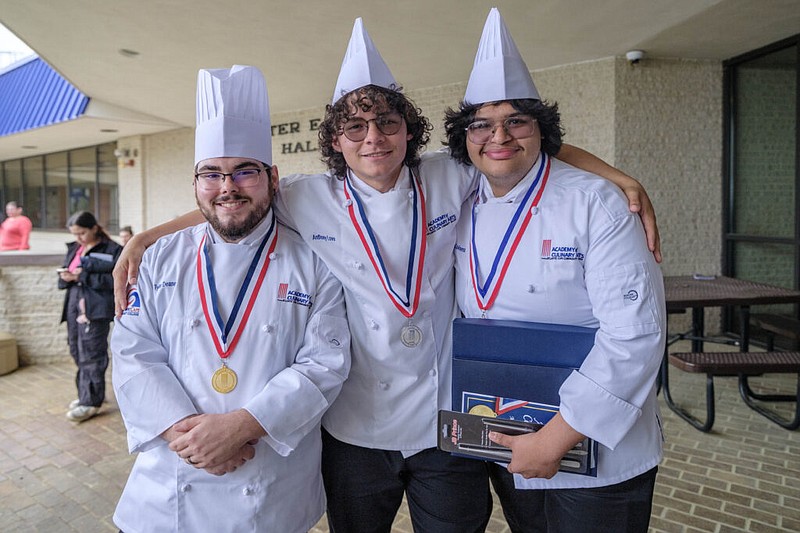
[(411, 335)]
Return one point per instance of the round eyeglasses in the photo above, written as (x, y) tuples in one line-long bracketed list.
[(356, 129), (244, 177), (518, 127)]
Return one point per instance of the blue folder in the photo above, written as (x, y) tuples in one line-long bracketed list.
[(509, 369), (514, 359)]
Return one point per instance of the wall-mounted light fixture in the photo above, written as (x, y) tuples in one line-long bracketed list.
[(126, 157)]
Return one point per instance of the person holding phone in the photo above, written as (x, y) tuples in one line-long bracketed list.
[(88, 309)]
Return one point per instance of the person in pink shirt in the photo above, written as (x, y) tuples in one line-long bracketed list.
[(15, 229)]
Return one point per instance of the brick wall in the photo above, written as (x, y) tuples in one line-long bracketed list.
[(669, 134), (168, 175), (131, 183), (30, 309)]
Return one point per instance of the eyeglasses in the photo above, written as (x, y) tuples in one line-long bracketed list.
[(244, 177), (356, 129), (519, 127)]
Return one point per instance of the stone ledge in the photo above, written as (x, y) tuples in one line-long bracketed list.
[(29, 259)]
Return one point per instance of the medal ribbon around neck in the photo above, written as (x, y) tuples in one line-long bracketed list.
[(416, 254), (485, 294), (219, 330)]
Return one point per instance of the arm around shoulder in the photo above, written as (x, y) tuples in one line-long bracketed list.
[(638, 200), (126, 269)]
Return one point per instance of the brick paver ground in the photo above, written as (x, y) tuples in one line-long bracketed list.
[(62, 477)]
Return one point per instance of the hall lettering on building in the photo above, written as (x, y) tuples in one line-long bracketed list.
[(309, 144)]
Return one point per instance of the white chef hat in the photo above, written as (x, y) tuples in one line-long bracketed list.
[(232, 115), (362, 65), (499, 73)]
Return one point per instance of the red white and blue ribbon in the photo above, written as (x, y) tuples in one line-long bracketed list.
[(226, 334), (486, 293), (504, 405), (408, 301)]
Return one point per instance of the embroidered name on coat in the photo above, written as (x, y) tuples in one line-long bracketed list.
[(560, 253)]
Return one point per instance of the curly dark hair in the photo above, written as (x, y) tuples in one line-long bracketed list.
[(546, 115), (379, 100)]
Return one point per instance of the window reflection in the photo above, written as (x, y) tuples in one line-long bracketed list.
[(53, 186)]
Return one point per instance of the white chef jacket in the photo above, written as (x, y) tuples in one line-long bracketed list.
[(583, 260), (291, 360), (393, 394)]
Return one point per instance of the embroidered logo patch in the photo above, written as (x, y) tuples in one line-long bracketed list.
[(134, 303), (285, 294), (630, 297), (320, 237), (560, 253), (439, 222)]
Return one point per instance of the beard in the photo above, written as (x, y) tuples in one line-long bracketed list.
[(235, 231)]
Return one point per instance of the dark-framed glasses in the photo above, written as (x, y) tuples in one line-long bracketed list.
[(356, 129), (244, 177), (519, 127)]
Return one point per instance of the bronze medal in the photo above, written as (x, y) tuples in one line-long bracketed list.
[(224, 380)]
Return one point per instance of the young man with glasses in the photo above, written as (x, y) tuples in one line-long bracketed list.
[(578, 257), (383, 219), (222, 395)]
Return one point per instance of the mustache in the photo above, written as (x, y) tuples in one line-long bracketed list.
[(231, 198)]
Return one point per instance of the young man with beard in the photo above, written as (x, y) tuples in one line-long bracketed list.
[(383, 219), (578, 257), (222, 395)]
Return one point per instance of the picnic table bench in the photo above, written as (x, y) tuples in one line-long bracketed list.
[(780, 325), (743, 365)]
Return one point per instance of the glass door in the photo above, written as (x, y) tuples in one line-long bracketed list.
[(761, 177)]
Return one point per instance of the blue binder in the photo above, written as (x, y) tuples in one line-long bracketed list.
[(515, 359), (508, 369)]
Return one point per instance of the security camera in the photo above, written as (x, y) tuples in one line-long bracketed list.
[(634, 56)]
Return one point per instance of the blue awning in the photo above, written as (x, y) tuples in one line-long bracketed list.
[(33, 95)]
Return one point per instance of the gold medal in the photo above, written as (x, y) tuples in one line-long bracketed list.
[(483, 410), (224, 380)]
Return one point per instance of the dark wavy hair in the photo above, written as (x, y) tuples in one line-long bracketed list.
[(379, 100), (546, 115), (84, 219)]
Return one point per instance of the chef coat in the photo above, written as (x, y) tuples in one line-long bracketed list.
[(583, 260), (394, 392), (291, 360)]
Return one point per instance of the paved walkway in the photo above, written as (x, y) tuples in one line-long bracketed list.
[(61, 477)]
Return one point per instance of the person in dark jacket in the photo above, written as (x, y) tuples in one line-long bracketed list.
[(88, 309)]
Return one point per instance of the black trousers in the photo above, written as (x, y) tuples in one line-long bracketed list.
[(88, 345), (621, 508), (365, 488)]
